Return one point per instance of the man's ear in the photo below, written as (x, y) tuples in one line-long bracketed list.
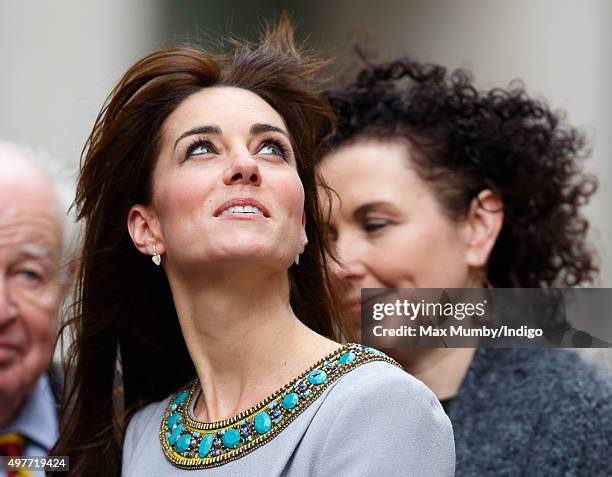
[(144, 230), (303, 236), (485, 220)]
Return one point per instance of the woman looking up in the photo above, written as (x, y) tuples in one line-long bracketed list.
[(203, 274)]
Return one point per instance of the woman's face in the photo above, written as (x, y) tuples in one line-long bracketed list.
[(225, 187), (387, 225)]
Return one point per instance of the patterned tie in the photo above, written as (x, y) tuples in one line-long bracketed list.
[(11, 445)]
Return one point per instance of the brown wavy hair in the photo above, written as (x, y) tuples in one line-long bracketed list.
[(124, 318), (463, 140)]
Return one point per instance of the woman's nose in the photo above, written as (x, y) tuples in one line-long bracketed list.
[(351, 267), (243, 169), (351, 271)]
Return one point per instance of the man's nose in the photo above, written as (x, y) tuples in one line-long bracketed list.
[(8, 307), (243, 169)]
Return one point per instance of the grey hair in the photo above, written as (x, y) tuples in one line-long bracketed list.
[(64, 186)]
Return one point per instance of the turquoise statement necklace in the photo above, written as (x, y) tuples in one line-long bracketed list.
[(192, 444)]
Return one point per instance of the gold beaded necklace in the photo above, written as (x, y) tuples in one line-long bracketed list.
[(192, 444)]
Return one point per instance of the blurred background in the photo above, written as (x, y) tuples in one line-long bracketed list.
[(59, 60)]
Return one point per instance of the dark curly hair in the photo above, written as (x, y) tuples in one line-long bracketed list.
[(463, 141)]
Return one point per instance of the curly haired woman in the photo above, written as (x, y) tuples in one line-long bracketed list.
[(440, 185)]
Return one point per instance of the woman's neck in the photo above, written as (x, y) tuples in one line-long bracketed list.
[(244, 340), (441, 369)]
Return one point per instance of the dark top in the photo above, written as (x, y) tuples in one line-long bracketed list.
[(532, 412)]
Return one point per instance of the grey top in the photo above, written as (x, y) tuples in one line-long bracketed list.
[(532, 412), (37, 421), (375, 420)]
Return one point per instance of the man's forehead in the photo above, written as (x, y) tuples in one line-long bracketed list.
[(30, 210), (25, 188), (33, 234), (29, 216), (40, 242), (27, 200)]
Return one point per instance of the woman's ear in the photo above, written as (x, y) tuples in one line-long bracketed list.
[(144, 230), (485, 220)]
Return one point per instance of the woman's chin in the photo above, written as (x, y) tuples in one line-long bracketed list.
[(247, 257)]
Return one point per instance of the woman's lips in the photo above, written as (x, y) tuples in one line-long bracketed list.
[(354, 303), (242, 216), (252, 208)]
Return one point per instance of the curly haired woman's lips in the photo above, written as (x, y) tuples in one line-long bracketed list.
[(355, 302)]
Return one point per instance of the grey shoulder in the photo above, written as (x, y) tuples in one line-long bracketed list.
[(143, 421), (389, 420), (383, 379), (141, 432)]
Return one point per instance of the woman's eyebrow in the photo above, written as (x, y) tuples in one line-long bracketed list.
[(199, 130), (363, 209), (259, 128)]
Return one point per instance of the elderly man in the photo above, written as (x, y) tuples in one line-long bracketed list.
[(32, 283)]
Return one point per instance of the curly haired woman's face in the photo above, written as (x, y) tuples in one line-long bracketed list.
[(388, 226), (225, 187)]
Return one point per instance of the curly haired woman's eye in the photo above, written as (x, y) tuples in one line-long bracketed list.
[(332, 233), (373, 225)]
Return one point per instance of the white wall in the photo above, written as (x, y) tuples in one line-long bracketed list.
[(58, 62)]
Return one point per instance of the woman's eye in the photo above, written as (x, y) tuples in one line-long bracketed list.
[(373, 225), (199, 148), (332, 232), (270, 148)]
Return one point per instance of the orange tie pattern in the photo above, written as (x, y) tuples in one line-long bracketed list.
[(11, 445)]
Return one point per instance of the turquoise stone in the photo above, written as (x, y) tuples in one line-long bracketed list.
[(347, 357), (373, 351), (205, 445), (173, 419), (317, 376), (231, 438), (180, 398), (263, 423), (176, 432), (290, 401), (183, 442)]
